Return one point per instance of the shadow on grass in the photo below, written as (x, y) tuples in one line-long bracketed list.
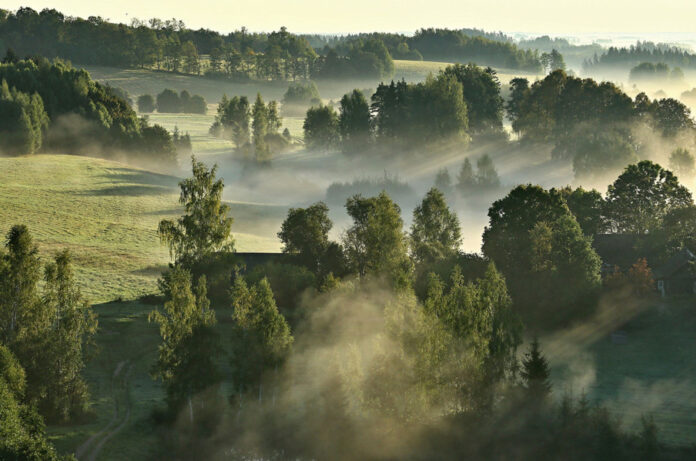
[(130, 191)]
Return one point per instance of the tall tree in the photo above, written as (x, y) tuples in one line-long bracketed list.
[(186, 361), (321, 128), (355, 122), (375, 244), (305, 234), (435, 232), (639, 199), (259, 125), (535, 373), (205, 228)]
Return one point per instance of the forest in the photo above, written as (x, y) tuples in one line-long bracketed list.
[(454, 243)]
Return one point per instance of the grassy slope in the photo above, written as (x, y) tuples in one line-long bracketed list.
[(107, 213)]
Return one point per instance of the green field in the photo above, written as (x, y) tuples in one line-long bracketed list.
[(107, 213)]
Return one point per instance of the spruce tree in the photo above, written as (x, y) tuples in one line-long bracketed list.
[(535, 373)]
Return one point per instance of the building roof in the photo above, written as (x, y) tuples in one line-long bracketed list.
[(677, 262), (617, 249)]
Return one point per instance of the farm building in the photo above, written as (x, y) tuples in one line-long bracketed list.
[(677, 276)]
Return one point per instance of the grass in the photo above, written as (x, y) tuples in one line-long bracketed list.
[(107, 214), (653, 373)]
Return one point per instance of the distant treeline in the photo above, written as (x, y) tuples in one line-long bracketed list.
[(627, 57), (53, 106), (465, 45), (241, 55)]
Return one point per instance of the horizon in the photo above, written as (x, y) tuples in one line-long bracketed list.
[(390, 16)]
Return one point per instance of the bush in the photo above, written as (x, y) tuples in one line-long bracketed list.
[(146, 104), (168, 101)]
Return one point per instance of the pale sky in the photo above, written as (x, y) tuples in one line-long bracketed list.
[(559, 17)]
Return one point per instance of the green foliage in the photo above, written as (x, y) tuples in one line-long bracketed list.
[(587, 207), (355, 122), (535, 373), (681, 161), (552, 61), (301, 93), (205, 228), (639, 199), (263, 338), (232, 120), (481, 93), (375, 244), (435, 232), (321, 128), (259, 113), (305, 234), (48, 332), (23, 121), (168, 101), (187, 355), (551, 268), (146, 103)]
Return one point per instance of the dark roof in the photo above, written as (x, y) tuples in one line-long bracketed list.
[(617, 249), (252, 260), (683, 258)]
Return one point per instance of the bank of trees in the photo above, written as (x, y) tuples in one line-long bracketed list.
[(168, 101), (254, 129), (625, 58), (52, 106), (592, 124), (648, 71), (460, 103)]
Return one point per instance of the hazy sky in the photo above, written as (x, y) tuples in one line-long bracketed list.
[(325, 16)]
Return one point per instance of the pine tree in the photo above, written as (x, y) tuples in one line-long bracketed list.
[(259, 126), (535, 373), (466, 181)]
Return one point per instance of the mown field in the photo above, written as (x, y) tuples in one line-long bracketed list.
[(107, 214)]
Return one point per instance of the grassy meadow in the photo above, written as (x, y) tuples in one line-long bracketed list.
[(107, 214)]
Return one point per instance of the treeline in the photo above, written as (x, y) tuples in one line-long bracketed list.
[(409, 334), (45, 336), (241, 55), (53, 106), (168, 101), (628, 57), (459, 103), (660, 71), (592, 123)]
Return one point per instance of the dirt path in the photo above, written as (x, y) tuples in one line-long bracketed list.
[(91, 448)]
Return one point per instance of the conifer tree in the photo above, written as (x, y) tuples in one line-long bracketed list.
[(535, 373)]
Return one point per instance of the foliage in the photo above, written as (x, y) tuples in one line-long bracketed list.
[(681, 161), (355, 122), (23, 121), (639, 199), (232, 120), (587, 207), (321, 128), (205, 228), (375, 244), (305, 234), (435, 232), (535, 373), (186, 362), (168, 101), (301, 93), (640, 277), (146, 103)]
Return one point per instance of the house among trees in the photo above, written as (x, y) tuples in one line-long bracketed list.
[(616, 251), (677, 276)]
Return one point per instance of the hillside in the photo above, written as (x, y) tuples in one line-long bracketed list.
[(107, 213)]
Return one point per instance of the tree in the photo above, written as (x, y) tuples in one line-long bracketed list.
[(550, 266), (682, 163), (263, 338), (587, 208), (435, 232), (23, 121), (641, 278), (519, 90), (146, 103), (305, 234), (259, 113), (73, 326), (321, 128), (168, 101), (186, 362), (535, 373), (205, 228), (466, 180), (232, 120), (443, 181), (486, 174), (375, 243), (553, 61), (355, 122), (639, 199)]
